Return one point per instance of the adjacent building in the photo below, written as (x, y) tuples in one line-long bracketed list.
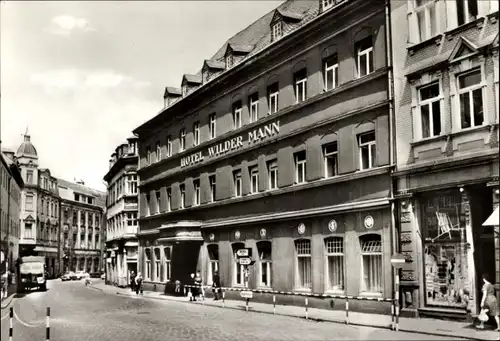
[(446, 77), (281, 143), (11, 185), (82, 212), (121, 213)]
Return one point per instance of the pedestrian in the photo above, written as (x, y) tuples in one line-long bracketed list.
[(132, 281), (216, 287), (198, 282), (193, 291), (489, 304), (138, 284)]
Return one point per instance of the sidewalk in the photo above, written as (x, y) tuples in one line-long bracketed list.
[(412, 325)]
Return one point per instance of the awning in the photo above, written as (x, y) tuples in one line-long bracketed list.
[(183, 236), (131, 244), (493, 218)]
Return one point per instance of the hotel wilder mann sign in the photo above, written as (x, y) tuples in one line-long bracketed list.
[(232, 144)]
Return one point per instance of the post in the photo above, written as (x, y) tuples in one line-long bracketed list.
[(396, 298), (246, 305), (393, 326), (11, 316), (47, 331), (274, 304), (307, 317), (246, 286), (346, 310), (223, 299)]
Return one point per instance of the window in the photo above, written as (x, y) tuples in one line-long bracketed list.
[(300, 167), (148, 155), (253, 111), (131, 219), (131, 148), (169, 146), (335, 263), (276, 31), (331, 158), (29, 202), (158, 201), (239, 270), (213, 260), (254, 179), (28, 231), (237, 184), (229, 61), (426, 18), (182, 140), (196, 133), (77, 196), (364, 51), (237, 115), (183, 196), (132, 184), (300, 85), (471, 99), (303, 271), (212, 126), (367, 150), (272, 169), (430, 110), (148, 204), (43, 207), (371, 265), (167, 268), (29, 177), (147, 253), (327, 4), (466, 11), (157, 265), (211, 179), (264, 248), (272, 95), (196, 198), (331, 76), (75, 218), (158, 151), (169, 199)]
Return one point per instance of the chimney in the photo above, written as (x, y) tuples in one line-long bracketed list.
[(26, 138), (80, 182)]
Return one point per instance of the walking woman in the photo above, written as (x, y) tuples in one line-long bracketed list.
[(138, 283), (489, 301)]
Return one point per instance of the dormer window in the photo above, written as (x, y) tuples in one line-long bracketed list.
[(229, 61), (276, 31)]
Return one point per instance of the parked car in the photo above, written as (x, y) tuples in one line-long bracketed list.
[(67, 276), (95, 275), (82, 275)]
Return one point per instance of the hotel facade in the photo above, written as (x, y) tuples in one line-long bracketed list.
[(446, 116), (281, 143)]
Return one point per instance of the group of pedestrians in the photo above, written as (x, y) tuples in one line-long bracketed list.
[(136, 283), (197, 291)]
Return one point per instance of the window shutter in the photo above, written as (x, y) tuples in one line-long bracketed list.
[(204, 188), (245, 179), (263, 175)]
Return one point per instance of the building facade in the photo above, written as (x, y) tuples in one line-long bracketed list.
[(11, 185), (39, 209), (281, 144), (121, 213), (446, 114), (82, 210)]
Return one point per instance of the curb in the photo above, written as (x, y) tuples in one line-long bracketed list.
[(12, 296), (95, 288), (319, 319)]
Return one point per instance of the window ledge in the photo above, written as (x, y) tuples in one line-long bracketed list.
[(302, 290), (428, 140), (263, 287), (371, 294), (335, 292), (417, 46), (473, 129)]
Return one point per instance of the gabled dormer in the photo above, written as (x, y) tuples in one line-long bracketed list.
[(171, 95), (464, 49), (235, 53), (283, 22), (326, 5), (211, 69), (190, 83)]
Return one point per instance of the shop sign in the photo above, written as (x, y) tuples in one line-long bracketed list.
[(301, 228), (369, 222), (232, 144), (332, 225)]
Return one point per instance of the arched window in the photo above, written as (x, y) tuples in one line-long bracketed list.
[(265, 260), (334, 250), (147, 270), (167, 269), (157, 274), (303, 277), (371, 264), (239, 273), (213, 260)]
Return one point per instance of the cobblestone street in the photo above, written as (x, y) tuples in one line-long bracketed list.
[(79, 313)]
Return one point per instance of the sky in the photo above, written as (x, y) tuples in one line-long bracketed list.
[(80, 76)]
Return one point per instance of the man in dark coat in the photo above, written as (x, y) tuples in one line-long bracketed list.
[(216, 287)]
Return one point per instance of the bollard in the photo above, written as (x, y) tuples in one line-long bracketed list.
[(307, 317), (274, 304), (185, 291), (246, 305), (397, 301), (47, 329), (393, 326), (347, 310), (223, 299), (11, 316)]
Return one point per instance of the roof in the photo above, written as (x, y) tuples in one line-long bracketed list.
[(172, 91), (213, 64), (240, 48), (82, 189), (13, 169), (196, 79), (26, 148)]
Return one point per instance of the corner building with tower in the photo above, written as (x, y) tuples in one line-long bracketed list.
[(281, 143)]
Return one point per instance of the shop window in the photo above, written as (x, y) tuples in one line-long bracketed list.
[(303, 270), (447, 280), (272, 170), (364, 52), (147, 272), (213, 260), (300, 78), (367, 150), (239, 270), (371, 265), (254, 179), (429, 102), (300, 167), (335, 263), (330, 158), (471, 99), (265, 260), (330, 72), (167, 269)]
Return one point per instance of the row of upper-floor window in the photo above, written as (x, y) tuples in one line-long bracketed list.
[(92, 242), (367, 160), (119, 221), (468, 104), (15, 192), (426, 17), (364, 66), (84, 198), (48, 207), (9, 225), (124, 185), (84, 217), (45, 183)]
